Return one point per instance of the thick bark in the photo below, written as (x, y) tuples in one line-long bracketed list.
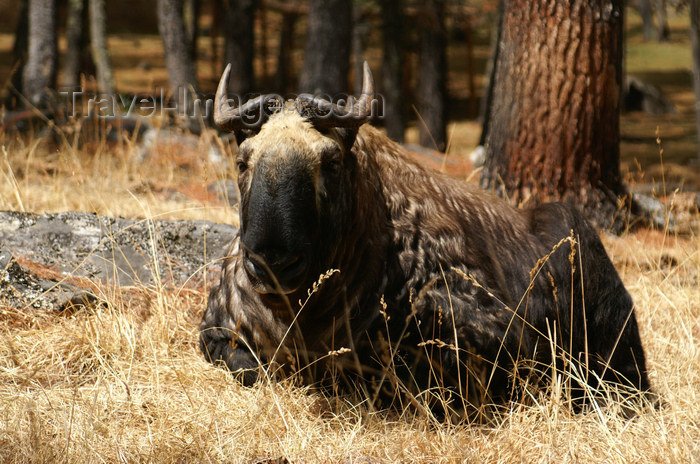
[(327, 51), (239, 32), (100, 52), (695, 40), (554, 122), (392, 75), (39, 75), (431, 76), (181, 68)]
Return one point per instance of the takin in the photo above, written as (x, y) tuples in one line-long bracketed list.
[(354, 263)]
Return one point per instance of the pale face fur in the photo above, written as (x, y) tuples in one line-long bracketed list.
[(284, 137), (291, 182)]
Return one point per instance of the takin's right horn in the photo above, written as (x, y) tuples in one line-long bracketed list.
[(325, 114), (250, 115)]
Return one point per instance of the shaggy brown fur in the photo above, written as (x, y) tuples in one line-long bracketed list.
[(439, 283)]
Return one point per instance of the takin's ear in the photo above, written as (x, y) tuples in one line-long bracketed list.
[(346, 137)]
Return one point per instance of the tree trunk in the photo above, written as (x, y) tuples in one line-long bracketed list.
[(554, 123), (239, 32), (487, 99), (214, 31), (327, 51), (695, 40), (100, 51), (392, 69), (39, 75), (432, 66), (361, 26), (662, 21), (73, 56), (19, 53), (181, 68), (283, 76), (190, 16), (263, 48), (647, 19), (471, 78)]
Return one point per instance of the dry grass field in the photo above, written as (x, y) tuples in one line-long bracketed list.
[(124, 381)]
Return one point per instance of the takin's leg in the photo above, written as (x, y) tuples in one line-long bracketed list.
[(604, 320), (610, 314), (217, 340)]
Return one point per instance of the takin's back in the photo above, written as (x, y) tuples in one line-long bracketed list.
[(495, 286)]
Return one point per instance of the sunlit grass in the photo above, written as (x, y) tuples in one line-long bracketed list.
[(124, 380), (173, 182)]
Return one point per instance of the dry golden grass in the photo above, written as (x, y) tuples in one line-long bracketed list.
[(125, 382), (110, 179)]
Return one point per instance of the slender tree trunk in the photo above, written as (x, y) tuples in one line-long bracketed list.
[(190, 16), (647, 19), (471, 79), (283, 76), (662, 21), (239, 32), (214, 31), (327, 51), (72, 58), (487, 98), (695, 40), (263, 47), (181, 69), (393, 64), (100, 51), (553, 130), (39, 75), (19, 52), (361, 26), (432, 66)]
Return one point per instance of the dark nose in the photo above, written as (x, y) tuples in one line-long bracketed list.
[(284, 271)]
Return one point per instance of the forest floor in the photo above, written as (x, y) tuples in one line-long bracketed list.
[(122, 380)]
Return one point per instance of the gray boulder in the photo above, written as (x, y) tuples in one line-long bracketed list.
[(116, 251)]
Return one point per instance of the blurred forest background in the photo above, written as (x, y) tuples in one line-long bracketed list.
[(431, 61)]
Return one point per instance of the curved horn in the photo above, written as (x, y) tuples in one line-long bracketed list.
[(250, 115), (324, 114)]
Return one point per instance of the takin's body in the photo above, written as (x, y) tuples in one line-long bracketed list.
[(453, 273)]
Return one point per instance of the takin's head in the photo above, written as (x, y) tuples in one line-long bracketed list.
[(294, 178)]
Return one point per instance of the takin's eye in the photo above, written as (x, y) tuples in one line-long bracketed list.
[(242, 166), (332, 167), (332, 163)]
